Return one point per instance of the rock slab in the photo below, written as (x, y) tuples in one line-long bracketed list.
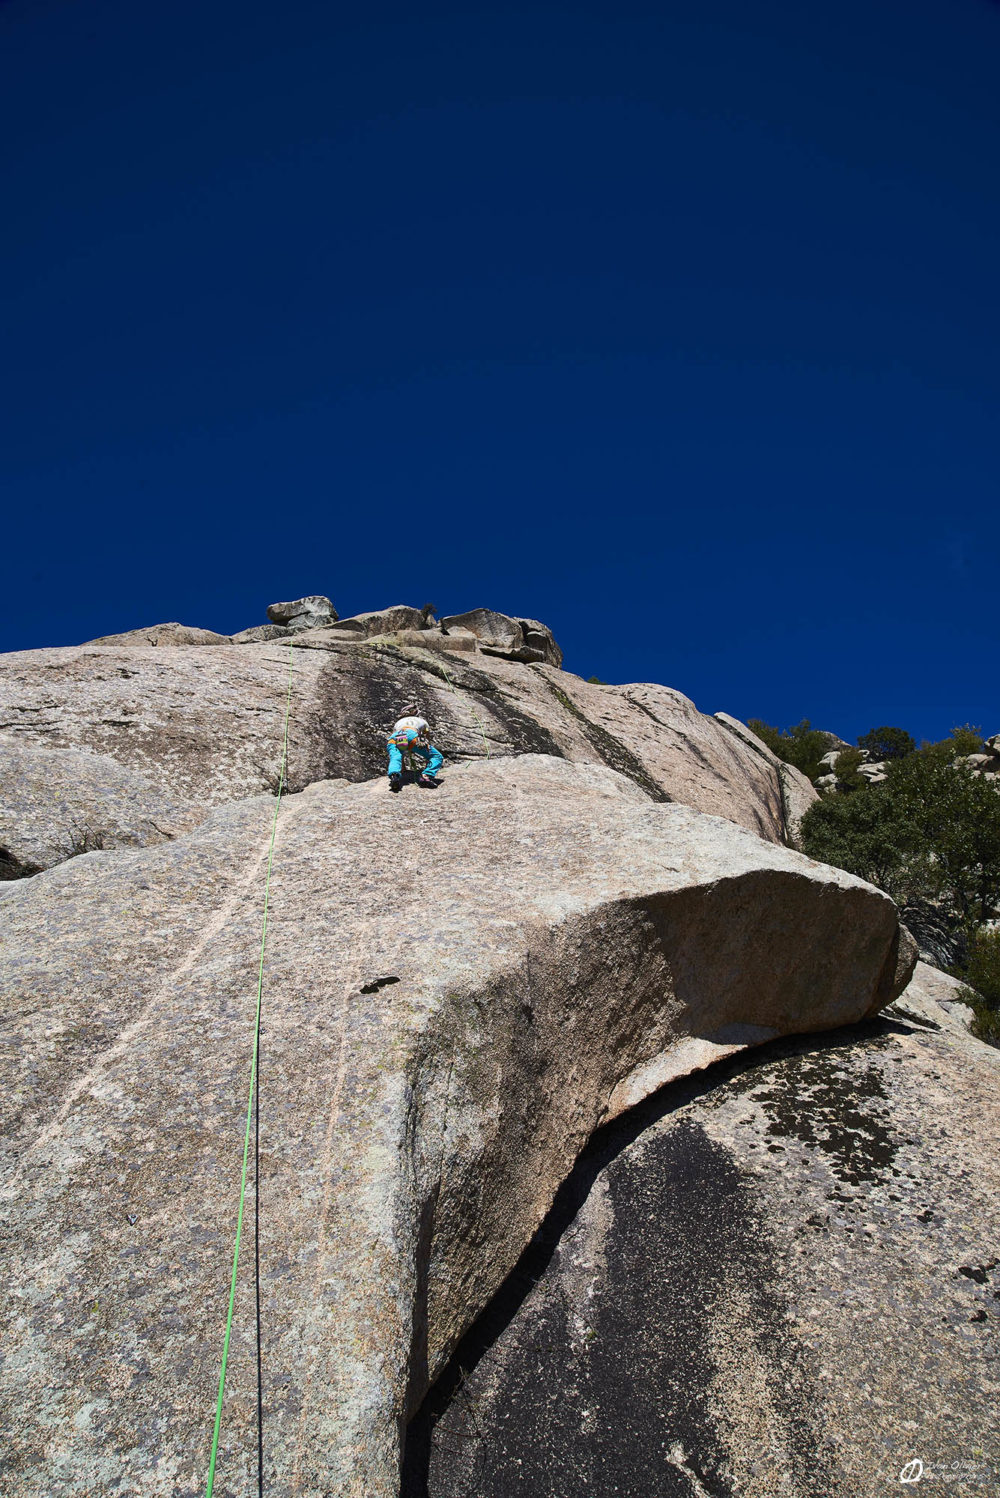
[(459, 987), (205, 723), (58, 803)]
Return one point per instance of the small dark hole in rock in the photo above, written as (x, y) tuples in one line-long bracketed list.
[(377, 983)]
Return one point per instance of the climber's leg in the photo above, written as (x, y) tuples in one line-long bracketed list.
[(434, 761)]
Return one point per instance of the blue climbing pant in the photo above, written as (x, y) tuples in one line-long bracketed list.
[(432, 758)]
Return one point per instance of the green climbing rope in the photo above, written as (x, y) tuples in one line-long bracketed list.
[(253, 1088)]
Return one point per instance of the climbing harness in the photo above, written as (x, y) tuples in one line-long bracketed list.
[(461, 696), (253, 1114), (406, 745)]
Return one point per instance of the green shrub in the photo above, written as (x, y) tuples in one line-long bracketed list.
[(845, 768), (930, 831), (960, 742), (966, 740), (982, 973), (802, 746), (953, 821), (859, 833), (887, 743)]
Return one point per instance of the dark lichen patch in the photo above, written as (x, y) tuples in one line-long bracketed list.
[(979, 1273), (525, 734), (611, 750), (841, 1110), (613, 1391), (356, 702)]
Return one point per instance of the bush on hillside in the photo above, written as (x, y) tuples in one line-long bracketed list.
[(930, 831), (860, 833), (887, 743), (846, 767), (802, 746), (960, 742), (982, 972), (966, 740)]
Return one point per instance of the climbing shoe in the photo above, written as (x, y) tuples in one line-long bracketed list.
[(429, 780), (395, 782)]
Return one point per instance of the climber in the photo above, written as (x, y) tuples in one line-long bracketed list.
[(411, 739)]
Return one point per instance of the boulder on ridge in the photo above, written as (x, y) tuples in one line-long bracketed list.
[(383, 621), (303, 613), (430, 1068), (513, 639), (259, 634)]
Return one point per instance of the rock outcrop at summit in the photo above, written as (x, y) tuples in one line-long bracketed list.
[(303, 613), (458, 988), (511, 639)]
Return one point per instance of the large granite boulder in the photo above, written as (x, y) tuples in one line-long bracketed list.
[(303, 613), (458, 989), (205, 724), (399, 616), (260, 634), (512, 639), (777, 1282), (57, 803)]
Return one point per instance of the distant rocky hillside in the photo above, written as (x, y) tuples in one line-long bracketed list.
[(458, 988)]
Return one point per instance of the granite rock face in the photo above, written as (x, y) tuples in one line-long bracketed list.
[(57, 803), (459, 987), (778, 1279), (797, 792), (205, 723)]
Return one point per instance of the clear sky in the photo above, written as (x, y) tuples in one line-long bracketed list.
[(674, 325)]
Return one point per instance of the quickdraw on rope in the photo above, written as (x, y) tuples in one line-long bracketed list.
[(253, 1115), (461, 695)]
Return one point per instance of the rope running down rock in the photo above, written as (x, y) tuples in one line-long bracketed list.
[(253, 1115)]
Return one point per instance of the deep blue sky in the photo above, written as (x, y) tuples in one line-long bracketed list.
[(674, 325)]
